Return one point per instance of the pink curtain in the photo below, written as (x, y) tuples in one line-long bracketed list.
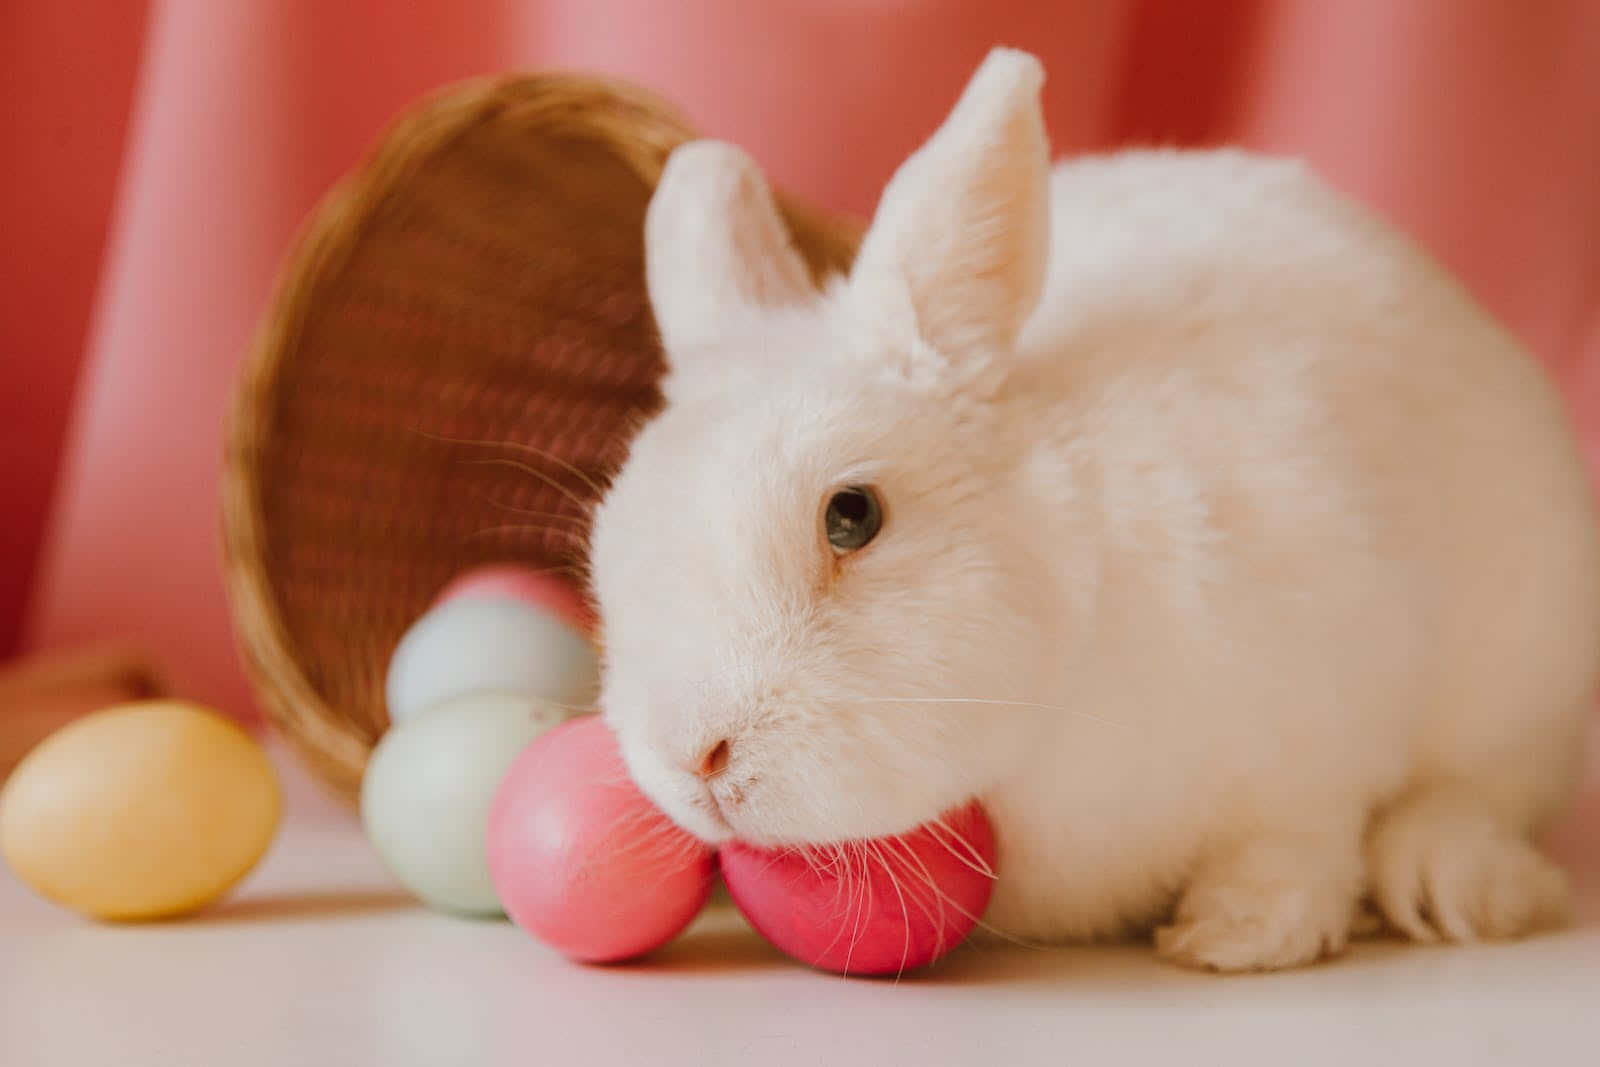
[(159, 160)]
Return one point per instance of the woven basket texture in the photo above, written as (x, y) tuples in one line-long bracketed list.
[(458, 350)]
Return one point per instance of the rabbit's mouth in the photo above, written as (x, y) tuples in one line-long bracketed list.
[(714, 805), (728, 794)]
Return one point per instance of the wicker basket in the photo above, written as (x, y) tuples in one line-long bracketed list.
[(458, 350)]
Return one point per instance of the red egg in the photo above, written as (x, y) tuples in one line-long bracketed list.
[(885, 906), (581, 859), (555, 595)]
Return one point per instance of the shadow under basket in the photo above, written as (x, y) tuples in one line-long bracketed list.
[(458, 351)]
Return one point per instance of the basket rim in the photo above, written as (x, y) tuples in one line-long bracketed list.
[(639, 126)]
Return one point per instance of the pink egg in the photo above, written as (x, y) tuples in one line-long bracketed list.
[(553, 594), (581, 859), (869, 908)]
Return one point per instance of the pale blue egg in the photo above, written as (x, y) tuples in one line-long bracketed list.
[(492, 644)]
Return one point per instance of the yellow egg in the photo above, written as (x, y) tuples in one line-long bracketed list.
[(141, 811)]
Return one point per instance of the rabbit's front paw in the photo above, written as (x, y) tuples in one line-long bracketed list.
[(1271, 904)]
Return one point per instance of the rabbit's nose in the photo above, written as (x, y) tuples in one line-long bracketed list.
[(713, 761)]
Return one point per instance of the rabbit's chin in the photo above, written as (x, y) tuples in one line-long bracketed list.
[(781, 816)]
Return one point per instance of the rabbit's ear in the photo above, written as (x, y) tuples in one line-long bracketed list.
[(955, 258), (716, 247)]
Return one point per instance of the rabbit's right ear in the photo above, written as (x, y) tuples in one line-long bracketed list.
[(955, 259), (716, 248)]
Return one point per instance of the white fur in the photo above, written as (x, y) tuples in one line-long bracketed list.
[(1261, 561)]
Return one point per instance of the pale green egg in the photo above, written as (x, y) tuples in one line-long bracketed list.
[(428, 787)]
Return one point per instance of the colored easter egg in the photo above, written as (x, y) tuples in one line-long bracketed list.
[(427, 788), (140, 811), (557, 596), (489, 644), (880, 907), (582, 859)]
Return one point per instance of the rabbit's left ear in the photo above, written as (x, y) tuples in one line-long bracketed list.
[(715, 248), (955, 258)]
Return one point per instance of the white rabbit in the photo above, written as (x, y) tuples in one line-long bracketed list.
[(1166, 501)]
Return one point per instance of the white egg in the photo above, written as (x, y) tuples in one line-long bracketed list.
[(428, 788), (485, 644)]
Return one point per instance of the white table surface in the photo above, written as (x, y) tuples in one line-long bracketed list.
[(318, 959)]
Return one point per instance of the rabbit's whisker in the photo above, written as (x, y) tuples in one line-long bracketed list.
[(999, 703), (534, 472), (524, 448)]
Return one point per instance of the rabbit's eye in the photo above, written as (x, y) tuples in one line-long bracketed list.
[(853, 518)]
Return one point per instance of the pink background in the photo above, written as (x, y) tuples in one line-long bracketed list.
[(159, 158)]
